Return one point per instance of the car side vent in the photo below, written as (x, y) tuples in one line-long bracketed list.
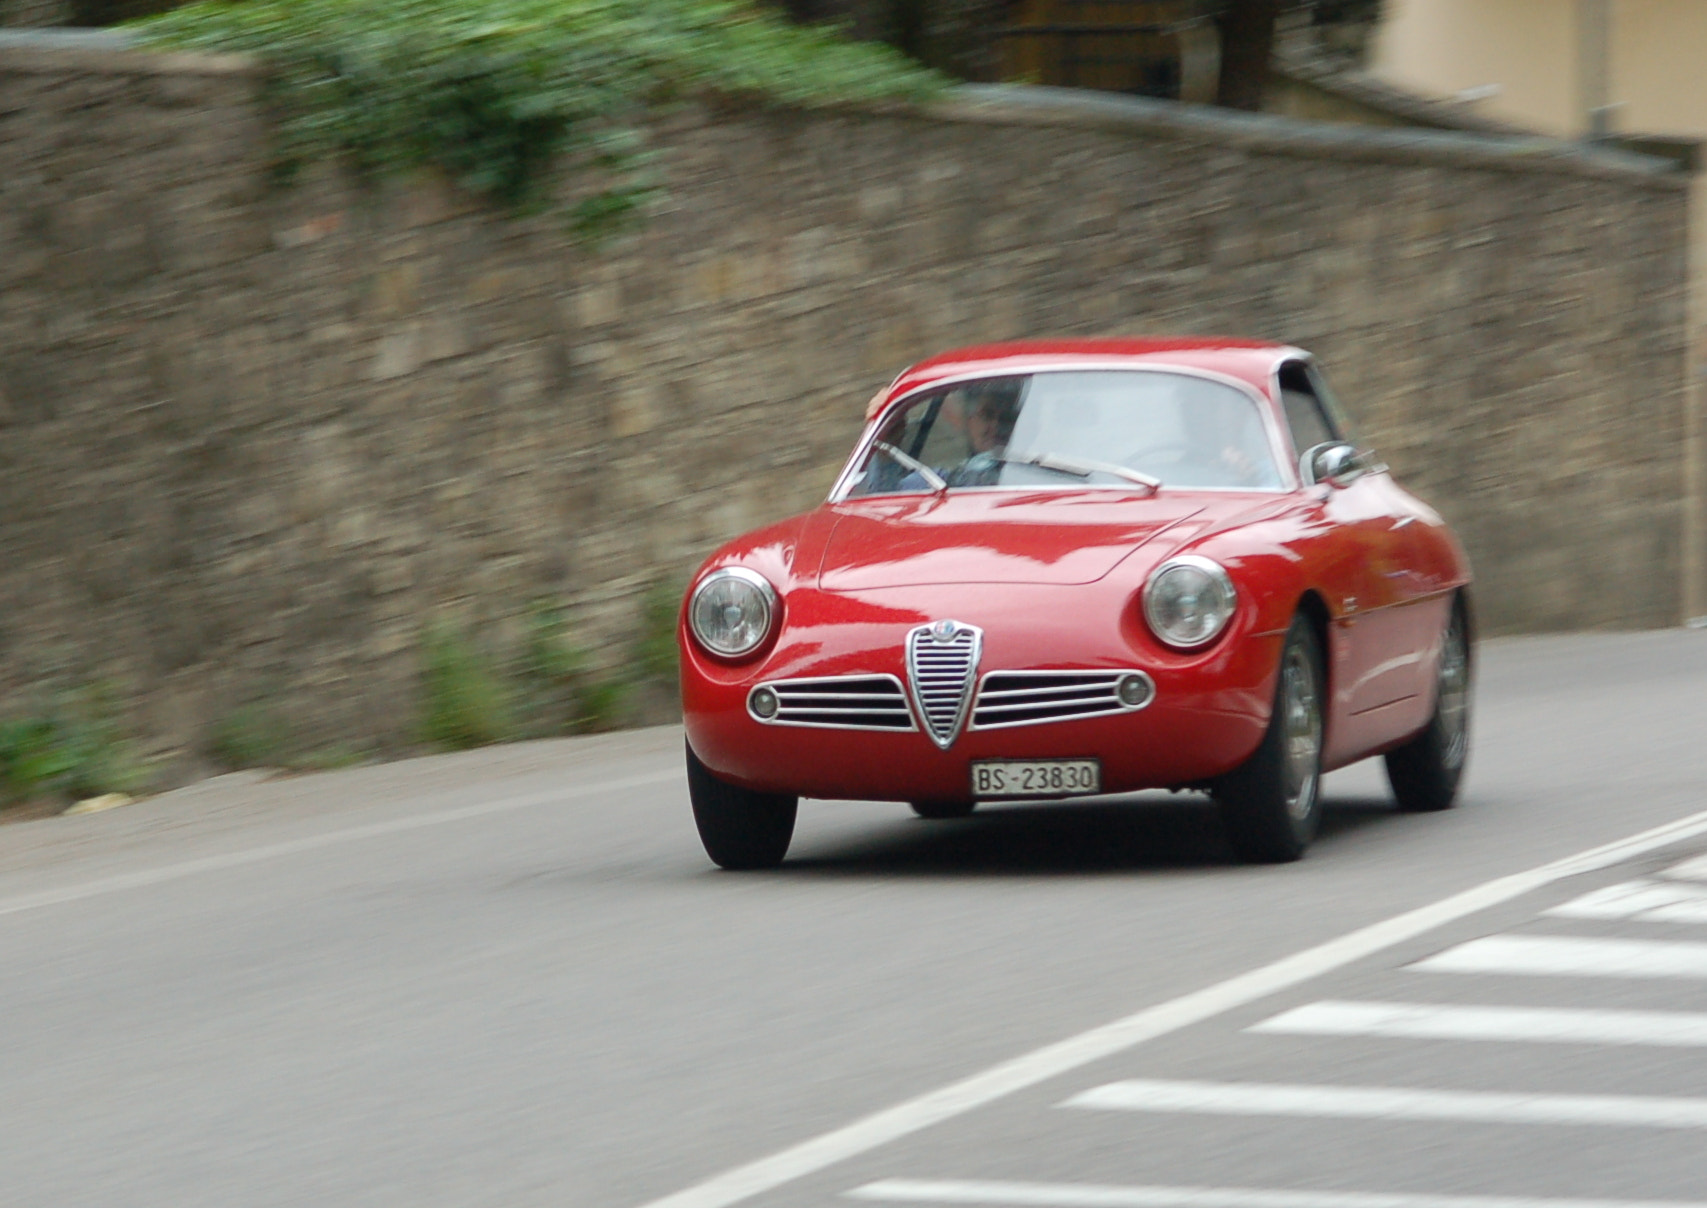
[(942, 663), (851, 702), (1021, 698)]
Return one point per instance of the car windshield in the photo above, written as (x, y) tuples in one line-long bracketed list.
[(1097, 427)]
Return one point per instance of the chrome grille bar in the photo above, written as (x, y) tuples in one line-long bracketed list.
[(848, 702), (942, 665), (1022, 698)]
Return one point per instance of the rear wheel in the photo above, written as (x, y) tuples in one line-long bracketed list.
[(1425, 771), (740, 828), (943, 809), (1271, 804)]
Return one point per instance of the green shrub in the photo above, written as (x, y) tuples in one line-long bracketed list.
[(499, 92), (555, 677), (603, 704), (329, 759), (250, 736), (465, 702), (32, 757), (548, 671), (655, 653), (73, 751)]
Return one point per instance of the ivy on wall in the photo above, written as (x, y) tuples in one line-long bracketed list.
[(505, 95)]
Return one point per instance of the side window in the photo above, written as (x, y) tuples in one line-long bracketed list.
[(1337, 418), (1306, 418)]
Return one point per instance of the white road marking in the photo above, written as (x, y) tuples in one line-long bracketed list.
[(1390, 1103), (1544, 1025), (1643, 901), (1082, 1195), (1689, 870), (1570, 956), (272, 851), (1017, 1074)]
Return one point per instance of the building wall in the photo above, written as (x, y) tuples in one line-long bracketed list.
[(1529, 48), (252, 441)]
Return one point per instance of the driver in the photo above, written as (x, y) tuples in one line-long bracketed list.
[(989, 410)]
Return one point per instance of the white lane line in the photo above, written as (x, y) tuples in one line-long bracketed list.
[(1542, 1025), (1643, 901), (290, 847), (1084, 1195), (1390, 1103), (1689, 870), (1039, 1065), (1570, 956)]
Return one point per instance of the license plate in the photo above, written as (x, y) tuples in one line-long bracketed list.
[(1035, 777)]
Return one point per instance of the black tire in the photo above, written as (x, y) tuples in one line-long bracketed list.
[(943, 809), (1271, 805), (1425, 772), (740, 829)]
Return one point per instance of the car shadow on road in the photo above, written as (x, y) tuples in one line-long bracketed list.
[(1105, 836)]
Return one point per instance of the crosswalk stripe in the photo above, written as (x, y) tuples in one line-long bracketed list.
[(1571, 956), (1644, 901), (908, 1117), (1390, 1103), (1542, 1025), (1689, 870), (1087, 1195)]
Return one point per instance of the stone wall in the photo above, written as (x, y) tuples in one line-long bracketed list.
[(252, 440)]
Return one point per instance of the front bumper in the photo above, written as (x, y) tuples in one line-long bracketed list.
[(1207, 715)]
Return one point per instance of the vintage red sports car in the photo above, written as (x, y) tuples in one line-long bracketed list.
[(1072, 567)]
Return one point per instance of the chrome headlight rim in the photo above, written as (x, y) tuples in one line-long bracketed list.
[(767, 596), (1207, 566)]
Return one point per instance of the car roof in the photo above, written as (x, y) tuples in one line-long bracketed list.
[(1248, 361)]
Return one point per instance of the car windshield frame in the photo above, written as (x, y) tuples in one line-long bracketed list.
[(1275, 437)]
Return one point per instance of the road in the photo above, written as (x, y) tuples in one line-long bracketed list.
[(511, 978)]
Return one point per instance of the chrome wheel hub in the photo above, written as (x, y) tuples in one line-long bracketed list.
[(1452, 710), (1301, 733)]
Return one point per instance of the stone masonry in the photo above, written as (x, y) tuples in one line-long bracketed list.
[(253, 439)]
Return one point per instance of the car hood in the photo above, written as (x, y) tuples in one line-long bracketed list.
[(1054, 537)]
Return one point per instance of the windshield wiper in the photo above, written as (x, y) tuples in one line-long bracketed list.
[(1082, 467), (937, 482)]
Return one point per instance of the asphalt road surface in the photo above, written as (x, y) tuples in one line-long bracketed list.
[(511, 978)]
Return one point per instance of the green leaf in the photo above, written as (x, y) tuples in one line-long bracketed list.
[(510, 96)]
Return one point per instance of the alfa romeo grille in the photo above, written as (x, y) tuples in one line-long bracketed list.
[(1019, 698), (848, 702), (942, 663)]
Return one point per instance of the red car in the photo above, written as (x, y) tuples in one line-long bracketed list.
[(1063, 568)]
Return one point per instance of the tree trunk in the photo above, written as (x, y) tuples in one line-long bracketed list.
[(811, 12), (27, 14), (1247, 41)]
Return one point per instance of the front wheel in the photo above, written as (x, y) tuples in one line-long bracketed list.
[(1271, 804), (740, 828), (1425, 771)]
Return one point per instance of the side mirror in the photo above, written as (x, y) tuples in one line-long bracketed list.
[(1335, 463)]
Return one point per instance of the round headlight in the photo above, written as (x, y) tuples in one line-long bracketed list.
[(732, 610), (1188, 601)]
